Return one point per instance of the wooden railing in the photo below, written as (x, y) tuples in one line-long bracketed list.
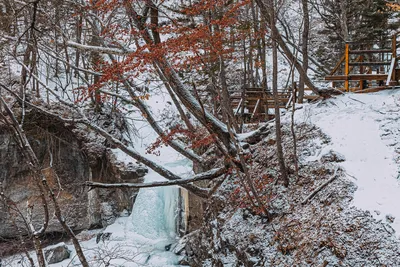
[(359, 59), (259, 103)]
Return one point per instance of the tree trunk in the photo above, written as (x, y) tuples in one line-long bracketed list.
[(278, 132), (183, 93), (78, 40), (278, 38), (226, 101), (95, 59), (304, 47)]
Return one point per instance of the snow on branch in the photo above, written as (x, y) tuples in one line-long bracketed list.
[(209, 175), (100, 49), (201, 192)]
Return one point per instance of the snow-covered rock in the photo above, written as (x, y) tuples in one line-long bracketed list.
[(57, 253)]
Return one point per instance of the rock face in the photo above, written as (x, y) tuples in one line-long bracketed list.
[(57, 254), (76, 156)]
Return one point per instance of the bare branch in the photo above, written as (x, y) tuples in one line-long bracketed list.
[(201, 192), (100, 49), (319, 188), (209, 175)]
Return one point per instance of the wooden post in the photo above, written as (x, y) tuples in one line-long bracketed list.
[(394, 45), (394, 55), (264, 101), (242, 107), (361, 72), (294, 92), (346, 67)]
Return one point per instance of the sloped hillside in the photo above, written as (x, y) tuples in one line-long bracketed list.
[(349, 156)]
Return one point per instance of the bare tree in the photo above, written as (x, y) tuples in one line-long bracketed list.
[(304, 46), (278, 133), (266, 12)]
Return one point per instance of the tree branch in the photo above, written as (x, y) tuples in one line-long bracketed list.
[(319, 188), (99, 49), (209, 175), (201, 192)]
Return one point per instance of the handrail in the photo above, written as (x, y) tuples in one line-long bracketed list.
[(255, 108), (390, 74), (371, 51), (237, 109)]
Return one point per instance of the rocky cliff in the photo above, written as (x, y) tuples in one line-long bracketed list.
[(76, 156)]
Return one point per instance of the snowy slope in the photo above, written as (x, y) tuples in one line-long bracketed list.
[(364, 128)]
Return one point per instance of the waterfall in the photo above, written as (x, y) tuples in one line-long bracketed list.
[(153, 222), (150, 232), (154, 213)]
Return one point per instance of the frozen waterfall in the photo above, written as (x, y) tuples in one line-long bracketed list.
[(153, 221), (154, 213)]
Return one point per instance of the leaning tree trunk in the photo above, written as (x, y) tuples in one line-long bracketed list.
[(183, 93)]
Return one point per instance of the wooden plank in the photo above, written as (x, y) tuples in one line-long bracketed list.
[(254, 98), (279, 95), (280, 106), (367, 42), (372, 51), (255, 108), (356, 77), (254, 92), (391, 70), (267, 98), (237, 109), (338, 65), (380, 63), (258, 90), (357, 90), (269, 101), (289, 101)]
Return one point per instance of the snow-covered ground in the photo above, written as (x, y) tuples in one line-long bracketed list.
[(364, 128)]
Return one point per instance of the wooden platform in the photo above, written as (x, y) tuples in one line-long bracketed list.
[(357, 77), (363, 66), (254, 104)]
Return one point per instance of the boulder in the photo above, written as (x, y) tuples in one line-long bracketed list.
[(108, 214), (332, 156), (57, 254)]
